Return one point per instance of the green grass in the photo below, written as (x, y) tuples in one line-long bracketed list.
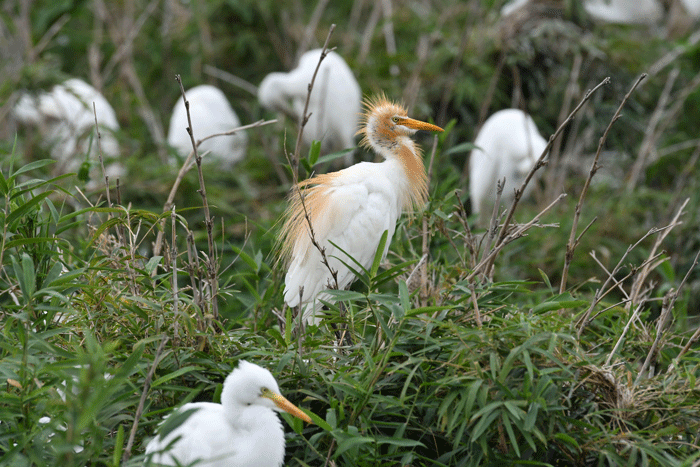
[(470, 366)]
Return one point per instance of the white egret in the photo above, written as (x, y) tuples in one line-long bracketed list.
[(66, 121), (353, 207), (508, 145), (211, 113), (625, 11), (335, 102), (242, 431)]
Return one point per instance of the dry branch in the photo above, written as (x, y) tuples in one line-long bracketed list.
[(573, 239)]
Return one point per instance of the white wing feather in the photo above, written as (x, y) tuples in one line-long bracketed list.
[(359, 209)]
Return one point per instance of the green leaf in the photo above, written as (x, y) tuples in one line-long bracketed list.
[(379, 254), (349, 443), (24, 208), (314, 152)]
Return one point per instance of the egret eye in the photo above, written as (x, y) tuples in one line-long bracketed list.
[(395, 119)]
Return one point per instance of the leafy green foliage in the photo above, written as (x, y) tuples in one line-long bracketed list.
[(445, 362)]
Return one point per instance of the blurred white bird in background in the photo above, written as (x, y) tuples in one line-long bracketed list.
[(507, 145), (335, 103), (65, 119), (211, 113), (353, 207), (242, 431), (605, 11), (625, 11)]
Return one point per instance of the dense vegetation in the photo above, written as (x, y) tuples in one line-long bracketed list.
[(569, 341)]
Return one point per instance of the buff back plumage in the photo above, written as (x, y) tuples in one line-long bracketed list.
[(386, 129)]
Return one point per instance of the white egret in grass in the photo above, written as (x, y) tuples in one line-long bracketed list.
[(507, 146), (335, 102), (242, 431), (211, 113), (350, 209), (65, 119)]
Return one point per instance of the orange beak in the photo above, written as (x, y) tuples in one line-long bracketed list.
[(282, 402), (418, 125)]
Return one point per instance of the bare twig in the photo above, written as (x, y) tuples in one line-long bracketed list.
[(186, 167), (142, 401), (304, 117), (425, 250), (556, 173), (173, 264), (651, 134), (231, 79), (603, 290), (486, 263), (294, 164), (311, 27), (663, 322), (644, 272), (540, 161), (573, 240), (212, 257)]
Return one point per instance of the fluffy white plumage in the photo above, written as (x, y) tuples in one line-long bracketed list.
[(353, 207), (211, 113), (625, 11), (335, 102), (242, 431), (508, 145), (65, 118)]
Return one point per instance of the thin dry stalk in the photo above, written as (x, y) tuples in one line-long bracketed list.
[(573, 239), (556, 173), (451, 79), (517, 231), (142, 401), (634, 316), (212, 258), (231, 79), (651, 134), (304, 117), (665, 120), (540, 161), (294, 164), (410, 92), (311, 27), (173, 262), (604, 290), (644, 272), (186, 166), (425, 244), (469, 238), (686, 347), (664, 321), (120, 32), (368, 33)]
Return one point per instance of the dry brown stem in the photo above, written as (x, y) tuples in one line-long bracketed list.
[(425, 244), (540, 162), (186, 166), (142, 401), (304, 117), (573, 239), (212, 269)]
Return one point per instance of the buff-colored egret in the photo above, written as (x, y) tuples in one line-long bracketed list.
[(211, 113), (507, 146), (350, 209), (335, 102), (65, 119), (242, 431)]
